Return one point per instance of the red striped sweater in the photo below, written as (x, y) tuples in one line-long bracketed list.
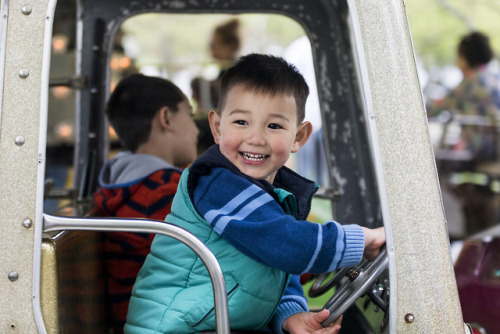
[(150, 197)]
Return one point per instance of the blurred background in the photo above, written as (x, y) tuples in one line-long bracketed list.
[(171, 45), (437, 27), (177, 47), (190, 51)]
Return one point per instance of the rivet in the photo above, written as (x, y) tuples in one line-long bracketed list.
[(27, 223), (409, 318), (372, 116), (19, 140), (24, 73), (13, 276), (26, 10), (353, 274)]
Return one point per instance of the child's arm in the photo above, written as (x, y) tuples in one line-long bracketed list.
[(253, 222)]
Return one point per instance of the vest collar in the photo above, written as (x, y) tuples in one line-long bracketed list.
[(300, 187)]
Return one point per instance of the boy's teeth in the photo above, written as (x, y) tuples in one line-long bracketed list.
[(254, 157)]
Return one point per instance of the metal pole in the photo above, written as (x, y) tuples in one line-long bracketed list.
[(54, 223)]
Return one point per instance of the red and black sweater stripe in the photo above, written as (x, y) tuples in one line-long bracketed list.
[(125, 252)]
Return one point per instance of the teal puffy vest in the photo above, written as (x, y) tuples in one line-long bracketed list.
[(173, 292)]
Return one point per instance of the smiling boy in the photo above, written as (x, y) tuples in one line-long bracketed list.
[(250, 210)]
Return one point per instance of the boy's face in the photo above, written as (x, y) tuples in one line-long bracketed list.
[(257, 132)]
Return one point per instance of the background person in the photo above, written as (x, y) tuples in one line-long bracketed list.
[(472, 105), (225, 43), (153, 120)]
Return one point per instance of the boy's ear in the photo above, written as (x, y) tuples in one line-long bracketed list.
[(303, 133), (164, 118), (214, 120)]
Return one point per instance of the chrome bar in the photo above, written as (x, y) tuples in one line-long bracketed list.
[(55, 223)]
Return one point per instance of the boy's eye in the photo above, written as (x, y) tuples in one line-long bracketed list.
[(275, 126), (241, 122)]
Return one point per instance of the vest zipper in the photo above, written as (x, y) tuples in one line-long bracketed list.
[(213, 308), (285, 284)]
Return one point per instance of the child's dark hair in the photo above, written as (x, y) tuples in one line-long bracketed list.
[(266, 74), (475, 48), (134, 103)]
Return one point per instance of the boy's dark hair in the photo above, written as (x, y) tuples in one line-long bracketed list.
[(266, 74), (475, 48), (134, 103)]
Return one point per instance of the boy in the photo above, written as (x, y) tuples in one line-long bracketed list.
[(152, 118), (250, 210)]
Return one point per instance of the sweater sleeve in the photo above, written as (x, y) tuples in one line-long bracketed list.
[(254, 223), (292, 302)]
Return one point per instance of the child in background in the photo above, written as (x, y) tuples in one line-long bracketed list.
[(152, 118), (250, 210)]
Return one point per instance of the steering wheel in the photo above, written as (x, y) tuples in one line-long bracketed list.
[(319, 286), (360, 280)]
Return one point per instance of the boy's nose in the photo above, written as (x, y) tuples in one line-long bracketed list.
[(256, 137)]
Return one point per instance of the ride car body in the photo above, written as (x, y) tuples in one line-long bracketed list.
[(380, 160)]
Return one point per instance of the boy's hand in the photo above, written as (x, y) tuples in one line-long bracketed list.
[(310, 323), (374, 239)]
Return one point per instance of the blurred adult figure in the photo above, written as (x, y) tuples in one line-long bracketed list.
[(472, 106), (224, 46)]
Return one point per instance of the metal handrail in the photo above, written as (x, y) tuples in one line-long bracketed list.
[(55, 223)]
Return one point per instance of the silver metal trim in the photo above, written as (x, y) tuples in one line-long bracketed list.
[(54, 223), (3, 42), (377, 160), (42, 143), (423, 99)]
